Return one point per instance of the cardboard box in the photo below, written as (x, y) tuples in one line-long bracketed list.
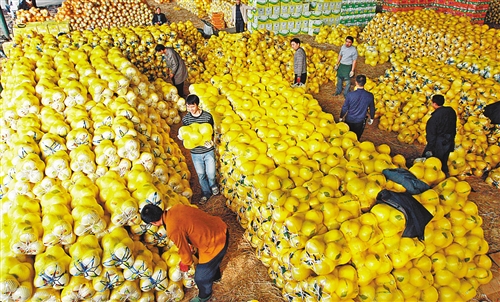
[(284, 9), (276, 27), (283, 25), (276, 9)]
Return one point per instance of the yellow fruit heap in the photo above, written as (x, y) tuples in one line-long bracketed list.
[(427, 33), (336, 34), (84, 146), (261, 51), (304, 187), (402, 96)]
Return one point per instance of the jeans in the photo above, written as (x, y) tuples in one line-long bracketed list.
[(207, 273), (204, 165), (240, 26), (340, 81)]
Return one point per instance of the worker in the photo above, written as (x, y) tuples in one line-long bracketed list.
[(441, 130), (299, 64), (239, 16), (159, 18), (203, 156), (346, 65), (189, 227), (177, 68), (356, 105)]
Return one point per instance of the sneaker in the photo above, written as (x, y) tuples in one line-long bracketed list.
[(198, 299), (300, 85), (215, 191), (336, 93), (203, 200), (294, 85)]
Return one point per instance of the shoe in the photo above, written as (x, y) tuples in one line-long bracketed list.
[(300, 85), (198, 299), (218, 281), (294, 85), (335, 94), (215, 191), (203, 200)]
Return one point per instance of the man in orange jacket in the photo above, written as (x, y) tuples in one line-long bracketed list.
[(188, 226)]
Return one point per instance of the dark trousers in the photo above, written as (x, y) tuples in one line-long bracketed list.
[(357, 128), (180, 88), (303, 78), (207, 273), (444, 145), (240, 26)]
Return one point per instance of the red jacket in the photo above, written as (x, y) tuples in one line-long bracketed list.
[(189, 225)]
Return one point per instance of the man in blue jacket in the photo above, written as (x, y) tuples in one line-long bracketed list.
[(355, 106)]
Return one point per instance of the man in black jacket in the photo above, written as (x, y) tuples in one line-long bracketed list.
[(159, 18), (441, 129)]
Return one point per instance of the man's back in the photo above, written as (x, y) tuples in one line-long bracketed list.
[(356, 105)]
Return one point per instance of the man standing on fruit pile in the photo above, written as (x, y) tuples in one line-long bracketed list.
[(190, 227), (440, 130), (355, 105), (203, 156), (159, 18), (177, 68), (299, 64), (239, 16), (346, 64)]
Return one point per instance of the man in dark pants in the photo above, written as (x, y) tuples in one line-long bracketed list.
[(188, 226), (299, 64), (355, 105), (239, 16), (440, 130), (345, 66), (177, 67)]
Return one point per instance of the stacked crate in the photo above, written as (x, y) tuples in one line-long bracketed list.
[(357, 12), (218, 20), (475, 9), (291, 17), (404, 5)]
